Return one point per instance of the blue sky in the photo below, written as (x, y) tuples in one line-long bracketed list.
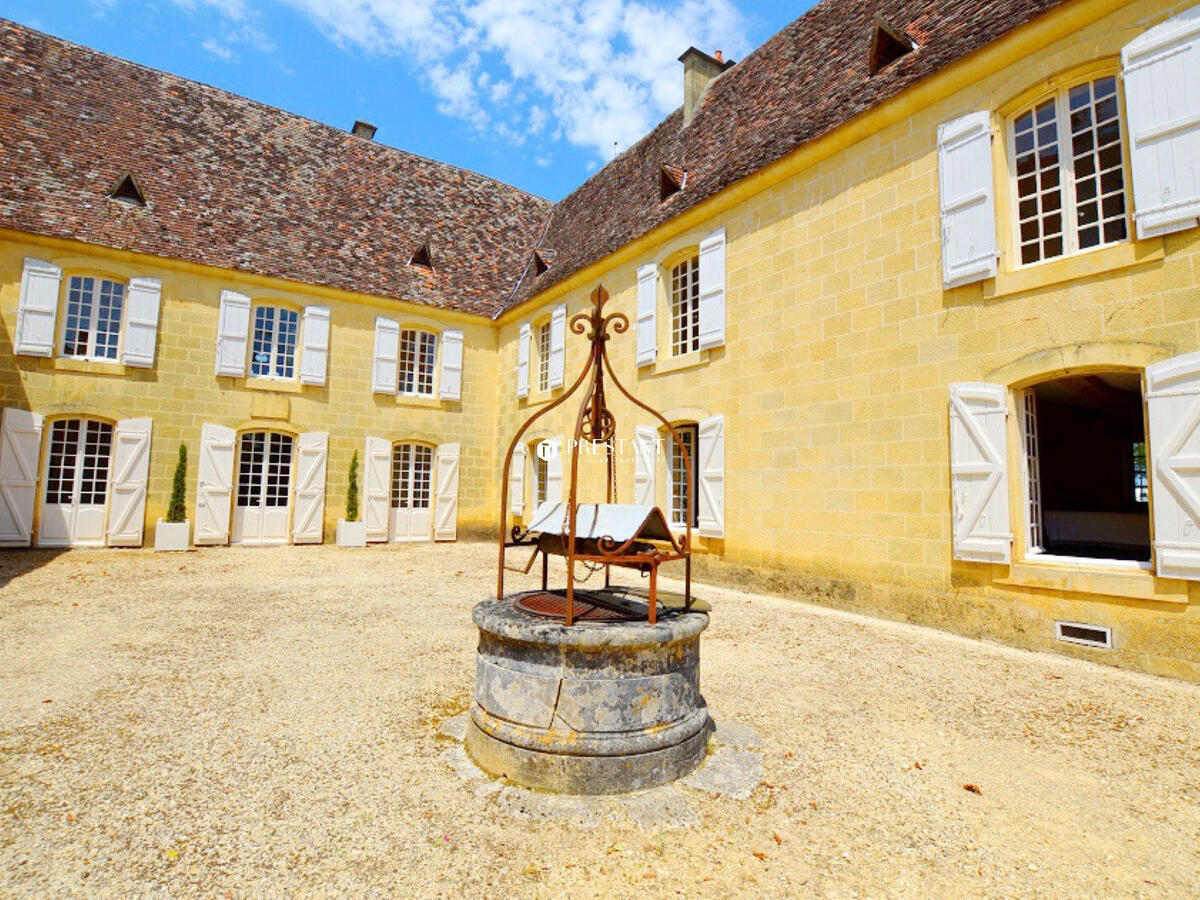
[(537, 93)]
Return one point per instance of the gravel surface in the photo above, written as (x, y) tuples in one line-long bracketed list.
[(264, 722)]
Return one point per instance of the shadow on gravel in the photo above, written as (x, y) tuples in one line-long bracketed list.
[(15, 563)]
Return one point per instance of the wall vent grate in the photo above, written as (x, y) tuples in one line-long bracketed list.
[(1085, 635)]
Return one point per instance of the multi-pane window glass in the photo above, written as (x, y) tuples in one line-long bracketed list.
[(274, 351), (264, 469), (418, 356), (80, 453), (685, 307), (92, 328), (1033, 471), (543, 342), (1141, 483), (679, 474), (1070, 172), (541, 475), (412, 476)]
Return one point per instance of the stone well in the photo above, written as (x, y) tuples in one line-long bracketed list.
[(601, 707)]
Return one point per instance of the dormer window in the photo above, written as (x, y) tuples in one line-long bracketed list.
[(129, 192), (540, 265), (888, 44), (671, 180), (422, 259)]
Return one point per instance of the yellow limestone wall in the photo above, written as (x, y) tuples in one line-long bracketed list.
[(181, 393), (841, 345)]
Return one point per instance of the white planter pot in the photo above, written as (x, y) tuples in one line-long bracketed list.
[(351, 534), (171, 535)]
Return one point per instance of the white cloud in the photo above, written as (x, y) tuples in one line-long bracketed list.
[(215, 48), (598, 72)]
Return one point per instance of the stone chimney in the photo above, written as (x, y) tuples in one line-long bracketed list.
[(699, 69), (364, 130)]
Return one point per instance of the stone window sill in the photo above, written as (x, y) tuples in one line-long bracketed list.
[(1070, 268), (90, 366), (420, 401), (1088, 578), (677, 363), (270, 384)]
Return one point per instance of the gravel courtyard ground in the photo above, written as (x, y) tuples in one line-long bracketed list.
[(261, 722)]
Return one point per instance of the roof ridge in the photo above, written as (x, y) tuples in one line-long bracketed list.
[(387, 148)]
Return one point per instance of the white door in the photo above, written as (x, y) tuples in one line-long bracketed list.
[(75, 494), (264, 488), (412, 492)]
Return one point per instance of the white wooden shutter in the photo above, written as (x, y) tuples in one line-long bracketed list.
[(445, 526), (38, 309), (554, 471), (20, 445), (523, 360), (233, 331), (308, 514), (214, 490), (130, 466), (979, 472), (377, 488), (1161, 71), (645, 450), (387, 356), (1173, 404), (711, 490), (558, 345), (452, 365), (143, 300), (314, 354), (712, 290), (647, 305), (968, 200), (516, 480)]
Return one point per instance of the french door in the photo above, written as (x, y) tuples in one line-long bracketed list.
[(264, 488), (76, 482), (412, 492)]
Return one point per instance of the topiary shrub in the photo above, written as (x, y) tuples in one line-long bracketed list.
[(176, 511), (352, 491)]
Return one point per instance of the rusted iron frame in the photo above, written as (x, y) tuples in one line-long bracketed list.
[(602, 425)]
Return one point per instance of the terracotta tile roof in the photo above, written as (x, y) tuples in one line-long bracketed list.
[(802, 83), (240, 185)]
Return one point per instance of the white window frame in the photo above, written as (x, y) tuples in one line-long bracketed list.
[(412, 362), (677, 516), (93, 319), (541, 476), (274, 353), (412, 465), (1068, 209), (278, 450), (543, 348), (690, 318)]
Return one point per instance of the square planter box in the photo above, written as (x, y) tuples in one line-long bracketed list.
[(351, 534), (171, 535)]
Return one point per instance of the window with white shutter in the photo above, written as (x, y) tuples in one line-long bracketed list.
[(141, 322), (314, 352), (968, 200), (523, 338), (979, 472), (273, 354), (516, 480), (417, 362), (645, 448), (387, 354), (647, 303), (712, 290), (710, 492), (38, 310), (451, 365), (1173, 407), (1161, 73), (558, 346), (233, 334)]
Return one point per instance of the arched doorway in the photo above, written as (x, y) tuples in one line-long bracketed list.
[(412, 492), (262, 505), (75, 482)]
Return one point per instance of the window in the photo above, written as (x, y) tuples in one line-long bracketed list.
[(678, 468), (418, 354), (1070, 172), (274, 351), (79, 454), (541, 475), (93, 322), (412, 476), (265, 469), (685, 307), (543, 344), (1084, 441)]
